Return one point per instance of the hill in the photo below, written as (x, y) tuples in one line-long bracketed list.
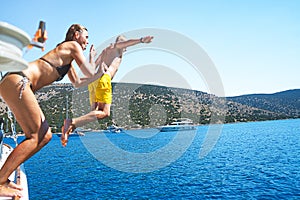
[(286, 103), (136, 106)]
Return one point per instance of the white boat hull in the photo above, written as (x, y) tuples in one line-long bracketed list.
[(181, 124), (177, 128), (18, 174)]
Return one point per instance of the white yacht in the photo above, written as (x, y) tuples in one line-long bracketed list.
[(181, 124)]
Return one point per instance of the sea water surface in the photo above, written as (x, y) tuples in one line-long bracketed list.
[(255, 160)]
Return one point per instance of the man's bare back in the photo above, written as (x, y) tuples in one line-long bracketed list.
[(116, 50), (107, 56)]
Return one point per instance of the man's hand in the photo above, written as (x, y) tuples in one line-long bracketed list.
[(146, 39), (93, 53)]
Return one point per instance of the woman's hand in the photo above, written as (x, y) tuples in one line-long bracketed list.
[(102, 69)]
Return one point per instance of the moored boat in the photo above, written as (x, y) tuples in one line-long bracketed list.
[(73, 134), (113, 129), (181, 124)]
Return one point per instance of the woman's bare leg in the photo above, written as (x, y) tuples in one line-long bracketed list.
[(9, 192), (32, 121), (13, 185)]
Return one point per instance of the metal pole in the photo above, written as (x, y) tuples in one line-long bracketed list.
[(67, 107)]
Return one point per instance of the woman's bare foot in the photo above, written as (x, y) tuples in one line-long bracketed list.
[(13, 185), (6, 191), (66, 130)]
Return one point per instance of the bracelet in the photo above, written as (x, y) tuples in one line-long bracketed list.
[(141, 40)]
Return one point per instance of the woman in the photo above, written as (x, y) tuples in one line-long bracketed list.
[(17, 90)]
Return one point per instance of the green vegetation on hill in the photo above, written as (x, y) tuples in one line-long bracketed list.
[(286, 103), (142, 106)]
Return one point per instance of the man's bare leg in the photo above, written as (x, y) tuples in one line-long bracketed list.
[(71, 124), (67, 128)]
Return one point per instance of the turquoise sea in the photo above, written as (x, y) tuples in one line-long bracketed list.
[(256, 160)]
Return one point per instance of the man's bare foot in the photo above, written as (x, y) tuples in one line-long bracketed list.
[(66, 130), (13, 185), (9, 192)]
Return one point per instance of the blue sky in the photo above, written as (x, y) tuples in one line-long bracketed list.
[(254, 44)]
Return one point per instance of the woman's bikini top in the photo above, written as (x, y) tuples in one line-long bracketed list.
[(62, 70)]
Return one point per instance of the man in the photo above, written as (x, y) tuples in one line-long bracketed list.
[(101, 90)]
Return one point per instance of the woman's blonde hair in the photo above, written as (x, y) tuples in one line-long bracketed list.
[(72, 30)]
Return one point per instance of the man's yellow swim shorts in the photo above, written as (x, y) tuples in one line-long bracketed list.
[(104, 90), (92, 91)]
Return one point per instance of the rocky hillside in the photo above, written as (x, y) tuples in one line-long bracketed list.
[(286, 103), (136, 106)]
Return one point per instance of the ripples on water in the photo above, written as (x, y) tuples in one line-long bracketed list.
[(258, 160)]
